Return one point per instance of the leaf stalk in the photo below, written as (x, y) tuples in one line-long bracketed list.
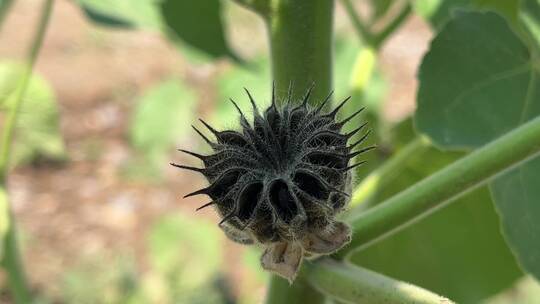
[(443, 187), (10, 259)]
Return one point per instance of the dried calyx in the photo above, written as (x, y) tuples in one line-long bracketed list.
[(281, 180)]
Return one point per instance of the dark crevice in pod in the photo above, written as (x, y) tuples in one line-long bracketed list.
[(248, 200), (282, 200), (311, 185)]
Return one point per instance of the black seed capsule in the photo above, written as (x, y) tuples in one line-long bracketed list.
[(281, 180)]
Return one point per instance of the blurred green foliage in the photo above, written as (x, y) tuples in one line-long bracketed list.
[(178, 20), (254, 76), (348, 51), (37, 131), (4, 218), (123, 13), (160, 121), (184, 257), (99, 280)]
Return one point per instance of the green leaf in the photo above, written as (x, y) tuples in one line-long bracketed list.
[(105, 19), (162, 119), (197, 24), (516, 195), (438, 12), (123, 13), (458, 251), (507, 8), (477, 81), (4, 218), (100, 279), (530, 16), (489, 86), (37, 131)]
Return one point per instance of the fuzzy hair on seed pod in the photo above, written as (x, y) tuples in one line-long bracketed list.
[(281, 180)]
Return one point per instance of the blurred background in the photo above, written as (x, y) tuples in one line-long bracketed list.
[(100, 212)]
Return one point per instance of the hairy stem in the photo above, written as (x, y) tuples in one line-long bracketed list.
[(352, 284), (301, 46), (300, 35), (10, 257), (300, 292), (439, 189)]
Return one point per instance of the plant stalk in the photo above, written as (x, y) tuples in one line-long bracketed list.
[(301, 46), (10, 257), (300, 292), (375, 40), (352, 284), (300, 35), (17, 96), (361, 29), (439, 189), (391, 27)]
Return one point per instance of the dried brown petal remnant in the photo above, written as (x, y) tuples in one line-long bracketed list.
[(281, 180)]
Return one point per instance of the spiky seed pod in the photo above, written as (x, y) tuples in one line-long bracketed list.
[(281, 180)]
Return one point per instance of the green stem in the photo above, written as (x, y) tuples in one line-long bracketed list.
[(10, 258), (301, 46), (5, 6), (391, 27), (16, 98), (385, 174), (300, 292), (352, 284), (375, 41), (301, 51), (439, 189), (361, 29)]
